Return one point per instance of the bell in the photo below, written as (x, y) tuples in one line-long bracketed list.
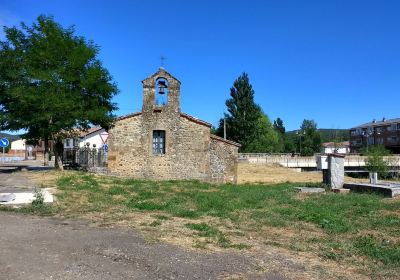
[(161, 87)]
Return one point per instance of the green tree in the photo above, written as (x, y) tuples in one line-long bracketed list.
[(308, 138), (245, 121), (52, 82), (286, 143), (375, 160), (289, 145), (279, 127), (243, 113), (267, 139)]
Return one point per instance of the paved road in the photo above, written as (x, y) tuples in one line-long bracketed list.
[(49, 248), (12, 180)]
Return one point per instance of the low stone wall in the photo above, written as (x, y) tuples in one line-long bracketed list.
[(303, 162), (223, 161)]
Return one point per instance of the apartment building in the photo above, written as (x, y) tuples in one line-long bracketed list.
[(385, 132)]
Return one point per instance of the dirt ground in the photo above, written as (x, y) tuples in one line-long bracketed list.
[(54, 248), (273, 174)]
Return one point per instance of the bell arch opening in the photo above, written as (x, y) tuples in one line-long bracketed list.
[(161, 98)]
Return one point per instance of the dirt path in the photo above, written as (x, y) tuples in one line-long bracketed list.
[(49, 248), (15, 181)]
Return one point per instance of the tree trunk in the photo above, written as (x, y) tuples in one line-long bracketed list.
[(58, 152), (46, 152)]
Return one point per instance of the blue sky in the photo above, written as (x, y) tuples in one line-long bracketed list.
[(337, 62)]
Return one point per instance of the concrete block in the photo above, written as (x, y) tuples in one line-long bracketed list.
[(341, 191), (310, 190)]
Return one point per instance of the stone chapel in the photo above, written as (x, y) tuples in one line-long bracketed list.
[(161, 142)]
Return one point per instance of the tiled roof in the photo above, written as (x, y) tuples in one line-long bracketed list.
[(196, 120), (338, 144), (128, 116), (90, 131), (225, 140), (378, 123)]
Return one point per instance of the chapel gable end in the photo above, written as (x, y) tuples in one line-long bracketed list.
[(161, 91)]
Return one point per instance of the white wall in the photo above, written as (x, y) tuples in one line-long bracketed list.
[(18, 144), (343, 150), (94, 138)]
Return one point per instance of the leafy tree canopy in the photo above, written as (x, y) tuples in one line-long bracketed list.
[(243, 113), (52, 81), (267, 139), (279, 127), (310, 138), (375, 159), (245, 121)]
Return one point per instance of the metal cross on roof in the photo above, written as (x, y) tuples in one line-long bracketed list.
[(162, 58)]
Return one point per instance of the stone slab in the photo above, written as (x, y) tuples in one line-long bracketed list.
[(310, 190), (27, 197), (387, 189), (7, 197)]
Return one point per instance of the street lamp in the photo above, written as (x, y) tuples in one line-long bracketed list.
[(367, 134), (300, 134)]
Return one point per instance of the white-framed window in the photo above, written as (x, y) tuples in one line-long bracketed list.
[(158, 142)]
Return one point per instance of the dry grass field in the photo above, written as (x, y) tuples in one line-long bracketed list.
[(274, 174)]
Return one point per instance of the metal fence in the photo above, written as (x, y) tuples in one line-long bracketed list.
[(85, 158)]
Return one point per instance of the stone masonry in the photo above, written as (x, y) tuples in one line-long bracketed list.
[(336, 171), (190, 150)]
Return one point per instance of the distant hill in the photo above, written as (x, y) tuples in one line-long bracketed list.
[(10, 137), (327, 135)]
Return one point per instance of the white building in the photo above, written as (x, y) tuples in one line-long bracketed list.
[(336, 148), (18, 145), (93, 137)]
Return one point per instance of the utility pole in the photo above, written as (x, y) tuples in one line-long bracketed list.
[(224, 128)]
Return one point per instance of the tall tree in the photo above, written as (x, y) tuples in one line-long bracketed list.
[(267, 140), (279, 127), (245, 121), (52, 82), (308, 138), (243, 113)]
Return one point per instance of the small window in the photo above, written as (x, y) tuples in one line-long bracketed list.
[(159, 142)]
